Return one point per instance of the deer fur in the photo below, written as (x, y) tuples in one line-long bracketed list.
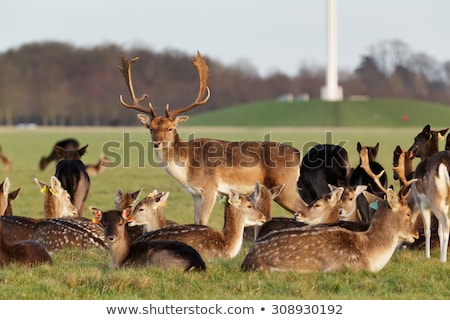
[(334, 248), (166, 254), (7, 197), (205, 167), (98, 168), (239, 212), (7, 162), (72, 173), (68, 144)]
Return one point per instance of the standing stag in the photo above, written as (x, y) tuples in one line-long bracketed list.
[(205, 167), (335, 248)]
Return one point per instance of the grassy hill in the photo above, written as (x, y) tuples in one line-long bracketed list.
[(371, 113)]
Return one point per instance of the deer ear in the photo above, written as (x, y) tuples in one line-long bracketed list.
[(181, 119), (55, 184), (126, 214), (136, 194), (97, 215), (392, 199), (144, 119), (275, 191)]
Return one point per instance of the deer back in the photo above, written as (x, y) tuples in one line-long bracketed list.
[(166, 254)]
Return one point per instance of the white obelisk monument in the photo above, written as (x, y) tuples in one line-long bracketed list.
[(331, 91)]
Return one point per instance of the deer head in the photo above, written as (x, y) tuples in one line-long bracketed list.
[(426, 142), (163, 128)]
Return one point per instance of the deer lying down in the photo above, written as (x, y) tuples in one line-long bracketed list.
[(125, 200), (27, 252), (6, 197), (166, 254), (336, 248), (239, 212)]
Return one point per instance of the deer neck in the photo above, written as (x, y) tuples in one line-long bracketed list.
[(51, 207), (158, 223), (119, 249), (233, 229), (382, 239)]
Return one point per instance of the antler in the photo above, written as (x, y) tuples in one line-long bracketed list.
[(203, 93), (126, 72), (364, 155), (400, 169)]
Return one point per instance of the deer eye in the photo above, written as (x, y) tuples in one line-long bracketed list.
[(170, 129)]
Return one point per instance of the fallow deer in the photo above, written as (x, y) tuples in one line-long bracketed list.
[(71, 172), (359, 177), (149, 212), (125, 200), (239, 212), (426, 142), (56, 204), (205, 167), (349, 204), (321, 166), (96, 169), (5, 161), (431, 193), (166, 254), (27, 252), (333, 249), (6, 197), (68, 144)]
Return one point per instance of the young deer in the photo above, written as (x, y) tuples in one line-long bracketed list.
[(96, 169), (56, 204), (166, 254), (61, 228), (149, 212), (205, 167), (7, 197), (72, 173), (125, 200), (6, 161), (210, 243), (68, 144), (334, 248), (27, 252), (349, 204)]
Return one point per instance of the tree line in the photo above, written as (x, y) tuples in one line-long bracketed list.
[(53, 83)]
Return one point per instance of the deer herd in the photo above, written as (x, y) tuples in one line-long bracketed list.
[(341, 217)]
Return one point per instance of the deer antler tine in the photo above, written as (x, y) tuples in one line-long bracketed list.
[(366, 166), (400, 168), (204, 92), (126, 72)]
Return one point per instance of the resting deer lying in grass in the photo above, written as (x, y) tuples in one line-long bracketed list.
[(62, 228), (431, 191), (205, 167), (239, 212), (98, 168), (27, 252), (166, 254), (72, 173), (68, 144), (57, 204), (6, 197), (349, 204), (335, 248), (5, 161)]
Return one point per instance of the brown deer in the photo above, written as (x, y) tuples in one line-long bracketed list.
[(98, 168), (426, 142), (239, 212), (68, 144), (349, 205), (205, 167), (166, 254), (26, 252), (56, 204), (71, 172), (6, 161), (125, 200), (7, 197), (333, 249)]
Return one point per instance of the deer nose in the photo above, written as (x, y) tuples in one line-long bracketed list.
[(156, 144)]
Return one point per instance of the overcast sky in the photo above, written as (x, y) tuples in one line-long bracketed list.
[(275, 35)]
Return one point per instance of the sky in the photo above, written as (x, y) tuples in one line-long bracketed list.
[(272, 35)]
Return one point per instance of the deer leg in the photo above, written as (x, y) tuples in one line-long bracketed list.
[(426, 219), (203, 206)]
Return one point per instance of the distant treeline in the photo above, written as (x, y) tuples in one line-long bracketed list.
[(55, 83)]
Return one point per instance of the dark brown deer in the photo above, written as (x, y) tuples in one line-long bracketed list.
[(332, 249), (205, 167), (26, 252), (321, 166), (68, 144), (71, 172), (5, 161), (7, 197), (359, 177), (125, 199), (426, 142), (166, 254), (239, 212), (98, 168)]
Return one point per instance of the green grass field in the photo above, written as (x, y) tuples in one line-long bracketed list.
[(84, 274)]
